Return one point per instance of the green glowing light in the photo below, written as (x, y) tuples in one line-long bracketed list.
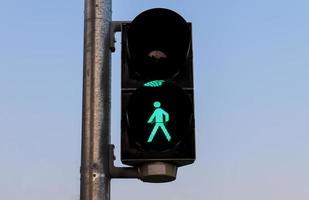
[(159, 117), (155, 83)]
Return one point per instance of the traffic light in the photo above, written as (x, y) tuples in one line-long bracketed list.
[(157, 120)]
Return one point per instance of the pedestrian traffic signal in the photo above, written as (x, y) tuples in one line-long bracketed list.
[(157, 121)]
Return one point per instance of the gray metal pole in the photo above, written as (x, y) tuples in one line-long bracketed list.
[(95, 180)]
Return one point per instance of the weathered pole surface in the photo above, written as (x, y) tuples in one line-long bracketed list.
[(95, 180)]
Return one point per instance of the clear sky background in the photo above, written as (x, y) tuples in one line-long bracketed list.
[(251, 67)]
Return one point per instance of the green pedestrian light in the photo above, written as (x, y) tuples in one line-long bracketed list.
[(159, 117)]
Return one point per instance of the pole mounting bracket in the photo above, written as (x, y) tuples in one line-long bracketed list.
[(153, 172), (120, 172), (114, 28)]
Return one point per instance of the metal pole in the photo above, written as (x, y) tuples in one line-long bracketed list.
[(95, 179)]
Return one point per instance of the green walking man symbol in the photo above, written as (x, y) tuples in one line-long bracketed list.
[(160, 117)]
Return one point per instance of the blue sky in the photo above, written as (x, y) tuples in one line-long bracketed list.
[(251, 69)]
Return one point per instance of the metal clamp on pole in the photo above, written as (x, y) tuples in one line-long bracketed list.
[(154, 172), (115, 27), (120, 172)]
